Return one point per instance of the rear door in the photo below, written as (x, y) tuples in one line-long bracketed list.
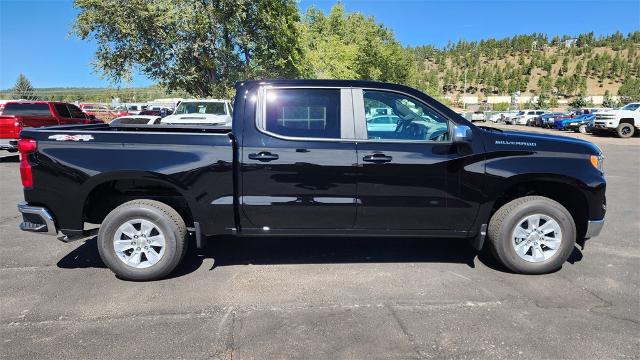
[(298, 160), (409, 177), (64, 116)]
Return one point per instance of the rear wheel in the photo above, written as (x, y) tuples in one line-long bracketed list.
[(582, 129), (532, 235), (625, 130), (142, 240)]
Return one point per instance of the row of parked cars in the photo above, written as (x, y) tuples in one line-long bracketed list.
[(16, 115), (623, 122)]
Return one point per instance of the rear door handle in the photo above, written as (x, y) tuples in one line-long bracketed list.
[(377, 158), (263, 156)]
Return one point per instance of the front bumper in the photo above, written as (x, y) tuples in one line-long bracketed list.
[(593, 228), (36, 219)]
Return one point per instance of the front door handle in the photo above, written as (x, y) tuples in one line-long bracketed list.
[(377, 158), (264, 156)]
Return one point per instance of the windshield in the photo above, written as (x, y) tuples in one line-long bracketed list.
[(631, 107), (214, 108)]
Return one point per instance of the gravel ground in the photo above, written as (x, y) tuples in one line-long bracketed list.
[(328, 298)]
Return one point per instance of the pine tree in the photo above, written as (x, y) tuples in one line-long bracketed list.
[(23, 89)]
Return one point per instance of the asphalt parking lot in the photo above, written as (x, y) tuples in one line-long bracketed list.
[(328, 298)]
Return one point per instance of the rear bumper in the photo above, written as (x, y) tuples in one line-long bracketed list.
[(593, 228), (36, 219), (9, 144)]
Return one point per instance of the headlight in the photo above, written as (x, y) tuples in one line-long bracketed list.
[(597, 162)]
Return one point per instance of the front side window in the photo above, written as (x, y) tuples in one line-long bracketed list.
[(409, 119), (631, 107), (309, 113), (76, 113)]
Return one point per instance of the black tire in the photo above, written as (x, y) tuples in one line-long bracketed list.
[(625, 130), (504, 221), (161, 215)]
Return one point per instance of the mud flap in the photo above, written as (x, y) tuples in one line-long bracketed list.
[(478, 241)]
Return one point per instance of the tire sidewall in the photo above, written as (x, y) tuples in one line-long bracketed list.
[(622, 126), (108, 254), (513, 260)]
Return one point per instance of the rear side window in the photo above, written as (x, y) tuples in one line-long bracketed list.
[(25, 109), (76, 113), (309, 113), (62, 110)]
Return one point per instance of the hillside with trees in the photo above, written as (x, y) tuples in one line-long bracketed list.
[(534, 64)]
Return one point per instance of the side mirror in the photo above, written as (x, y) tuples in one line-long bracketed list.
[(462, 134)]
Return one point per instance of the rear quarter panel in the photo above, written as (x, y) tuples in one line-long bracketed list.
[(198, 165)]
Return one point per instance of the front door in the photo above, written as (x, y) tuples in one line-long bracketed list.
[(407, 171), (298, 162)]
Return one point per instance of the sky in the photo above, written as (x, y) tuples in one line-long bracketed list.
[(35, 40)]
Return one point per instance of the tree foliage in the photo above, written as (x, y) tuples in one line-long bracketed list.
[(630, 90), (201, 47), (352, 46), (23, 89)]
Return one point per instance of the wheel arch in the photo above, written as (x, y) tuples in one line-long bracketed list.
[(630, 121), (107, 191), (565, 190)]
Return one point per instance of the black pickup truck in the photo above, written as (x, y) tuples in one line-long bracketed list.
[(313, 158)]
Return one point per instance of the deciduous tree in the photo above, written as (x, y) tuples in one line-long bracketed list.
[(201, 47)]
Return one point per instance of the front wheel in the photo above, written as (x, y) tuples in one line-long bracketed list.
[(532, 235), (625, 130), (142, 240)]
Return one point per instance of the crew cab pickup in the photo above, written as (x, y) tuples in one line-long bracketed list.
[(17, 115), (300, 160), (624, 122)]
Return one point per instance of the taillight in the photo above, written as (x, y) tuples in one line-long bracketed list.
[(26, 146)]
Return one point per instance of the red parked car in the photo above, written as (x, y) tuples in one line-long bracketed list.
[(17, 115), (103, 112)]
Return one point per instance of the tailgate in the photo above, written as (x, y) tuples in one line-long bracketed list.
[(9, 127)]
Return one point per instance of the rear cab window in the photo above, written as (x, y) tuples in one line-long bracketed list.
[(27, 109)]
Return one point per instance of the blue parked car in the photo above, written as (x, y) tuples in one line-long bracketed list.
[(575, 123), (547, 120)]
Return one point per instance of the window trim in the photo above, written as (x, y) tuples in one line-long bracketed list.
[(361, 126), (347, 130)]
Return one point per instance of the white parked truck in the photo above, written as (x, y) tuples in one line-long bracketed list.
[(201, 112), (624, 122)]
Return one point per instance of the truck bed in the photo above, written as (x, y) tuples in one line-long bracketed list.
[(85, 160), (159, 128)]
